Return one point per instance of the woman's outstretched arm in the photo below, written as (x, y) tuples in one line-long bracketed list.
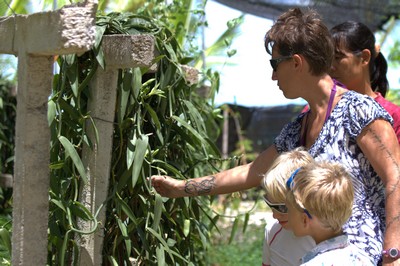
[(236, 179)]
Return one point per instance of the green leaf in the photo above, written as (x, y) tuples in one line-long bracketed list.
[(166, 77), (88, 78), (59, 204), (202, 234), (160, 238), (234, 229), (214, 147), (68, 109), (79, 210), (113, 260), (158, 206), (124, 232), (153, 116), (123, 180), (231, 52), (136, 82), (160, 255), (64, 247), (190, 128), (140, 151), (171, 242), (57, 165), (72, 73), (195, 116), (51, 112), (70, 150), (126, 209), (162, 241), (6, 239), (246, 221), (97, 47), (186, 227), (125, 92), (96, 132), (169, 167), (171, 52)]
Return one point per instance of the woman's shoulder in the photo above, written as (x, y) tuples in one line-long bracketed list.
[(355, 111), (354, 102), (355, 98)]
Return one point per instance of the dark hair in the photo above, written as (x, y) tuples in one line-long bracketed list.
[(355, 37), (296, 32)]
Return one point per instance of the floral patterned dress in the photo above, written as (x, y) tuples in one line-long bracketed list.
[(337, 142)]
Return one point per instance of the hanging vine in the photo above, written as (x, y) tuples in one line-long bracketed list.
[(161, 126)]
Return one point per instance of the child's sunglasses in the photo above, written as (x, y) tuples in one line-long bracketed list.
[(279, 207)]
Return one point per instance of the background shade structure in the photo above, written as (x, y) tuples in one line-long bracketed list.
[(373, 13)]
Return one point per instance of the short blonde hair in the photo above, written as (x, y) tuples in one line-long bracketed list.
[(325, 190), (274, 181)]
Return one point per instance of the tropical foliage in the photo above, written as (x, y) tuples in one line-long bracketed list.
[(7, 135), (162, 126)]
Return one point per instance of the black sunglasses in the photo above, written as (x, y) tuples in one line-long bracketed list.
[(275, 62), (279, 207)]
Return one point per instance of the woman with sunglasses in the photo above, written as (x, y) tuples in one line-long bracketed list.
[(361, 67), (281, 247), (341, 126)]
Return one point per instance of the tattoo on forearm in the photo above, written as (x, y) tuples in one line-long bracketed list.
[(392, 221), (390, 157), (392, 190), (200, 188)]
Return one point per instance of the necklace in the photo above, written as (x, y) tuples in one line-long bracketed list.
[(328, 112)]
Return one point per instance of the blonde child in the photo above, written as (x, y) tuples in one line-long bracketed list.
[(281, 247), (319, 203)]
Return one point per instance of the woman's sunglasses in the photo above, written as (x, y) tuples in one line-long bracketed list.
[(275, 62), (279, 207)]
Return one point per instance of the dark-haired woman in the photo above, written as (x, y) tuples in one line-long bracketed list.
[(361, 67)]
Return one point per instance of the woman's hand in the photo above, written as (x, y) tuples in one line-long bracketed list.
[(169, 187)]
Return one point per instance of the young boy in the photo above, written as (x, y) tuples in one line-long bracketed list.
[(281, 247), (319, 202)]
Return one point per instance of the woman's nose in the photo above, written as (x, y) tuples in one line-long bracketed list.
[(273, 77)]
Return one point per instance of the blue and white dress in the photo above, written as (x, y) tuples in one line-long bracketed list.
[(337, 142)]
